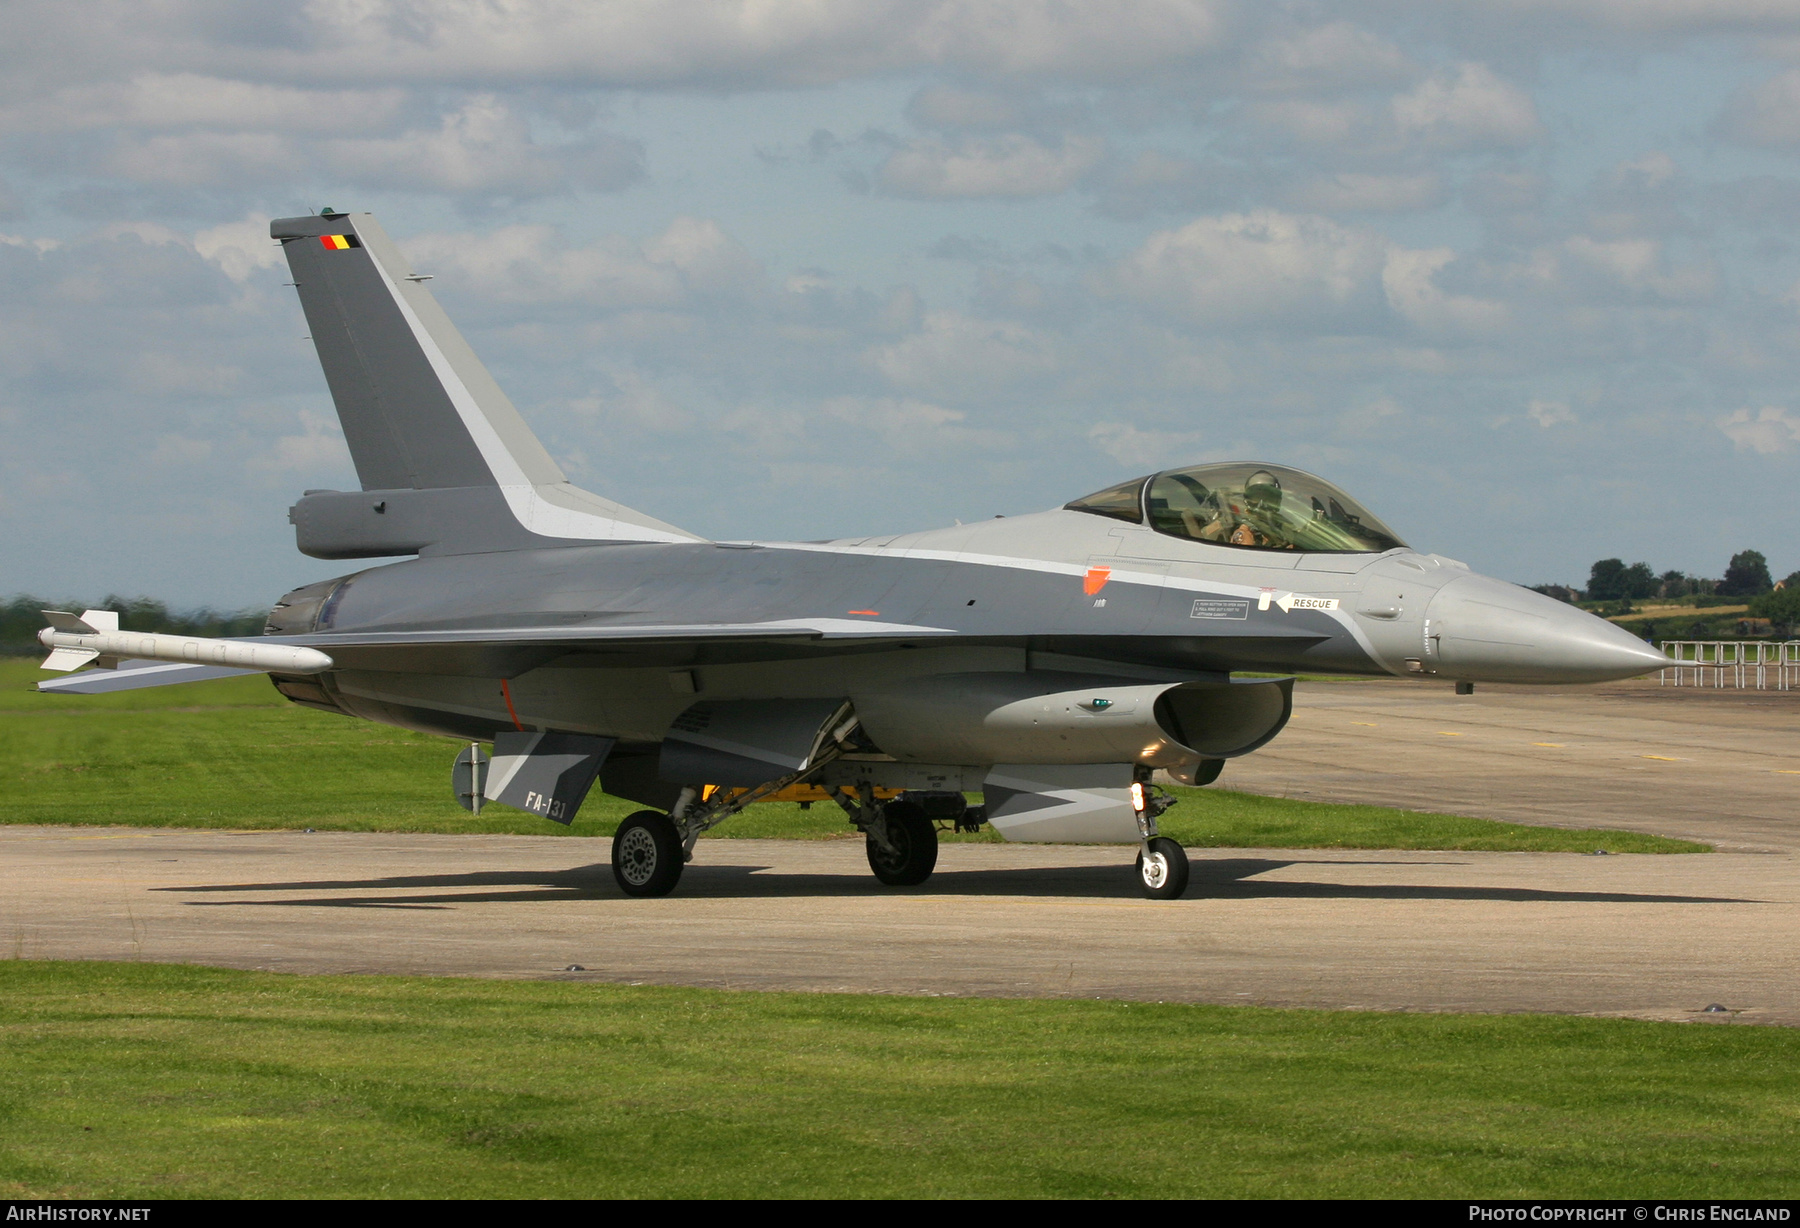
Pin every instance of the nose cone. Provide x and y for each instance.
(1486, 630)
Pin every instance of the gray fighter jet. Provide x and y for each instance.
(1050, 662)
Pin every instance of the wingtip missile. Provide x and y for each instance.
(94, 637)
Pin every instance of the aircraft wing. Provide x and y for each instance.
(497, 650)
(508, 651)
(580, 636)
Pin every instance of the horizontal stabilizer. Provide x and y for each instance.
(547, 774)
(136, 676)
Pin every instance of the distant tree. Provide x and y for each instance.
(1674, 584)
(1793, 581)
(1638, 581)
(1560, 592)
(20, 620)
(1747, 576)
(1610, 579)
(1606, 580)
(1781, 608)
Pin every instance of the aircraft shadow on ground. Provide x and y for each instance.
(1233, 879)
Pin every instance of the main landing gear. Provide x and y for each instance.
(647, 855)
(902, 844)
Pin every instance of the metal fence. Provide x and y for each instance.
(1764, 664)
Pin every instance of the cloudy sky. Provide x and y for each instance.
(1522, 275)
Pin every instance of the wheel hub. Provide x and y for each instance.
(637, 857)
(1155, 871)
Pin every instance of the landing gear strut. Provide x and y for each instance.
(1162, 864)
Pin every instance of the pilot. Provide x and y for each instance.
(1261, 525)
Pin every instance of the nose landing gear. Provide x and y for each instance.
(1162, 864)
(1162, 867)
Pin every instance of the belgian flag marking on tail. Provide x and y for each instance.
(339, 243)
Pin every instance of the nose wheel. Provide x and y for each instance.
(1162, 867)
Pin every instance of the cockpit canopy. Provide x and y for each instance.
(1253, 506)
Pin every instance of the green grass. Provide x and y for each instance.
(156, 1081)
(234, 754)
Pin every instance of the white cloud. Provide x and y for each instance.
(1409, 278)
(958, 353)
(1768, 430)
(1253, 268)
(1766, 114)
(1549, 413)
(1469, 106)
(1372, 418)
(910, 426)
(1353, 192)
(178, 450)
(638, 403)
(1315, 122)
(944, 106)
(179, 100)
(1335, 55)
(706, 256)
(484, 147)
(318, 447)
(1133, 445)
(1641, 265)
(240, 248)
(536, 265)
(708, 44)
(1011, 165)
(1636, 16)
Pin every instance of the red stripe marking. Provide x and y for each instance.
(506, 694)
(871, 613)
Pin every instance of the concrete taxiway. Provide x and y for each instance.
(1650, 936)
(1719, 766)
(1646, 936)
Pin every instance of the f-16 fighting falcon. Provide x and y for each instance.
(1049, 662)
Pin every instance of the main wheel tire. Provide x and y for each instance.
(647, 854)
(1164, 873)
(915, 846)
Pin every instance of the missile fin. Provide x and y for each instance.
(64, 660)
(62, 620)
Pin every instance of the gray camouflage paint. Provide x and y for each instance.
(597, 619)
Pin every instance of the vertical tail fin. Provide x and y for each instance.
(428, 428)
